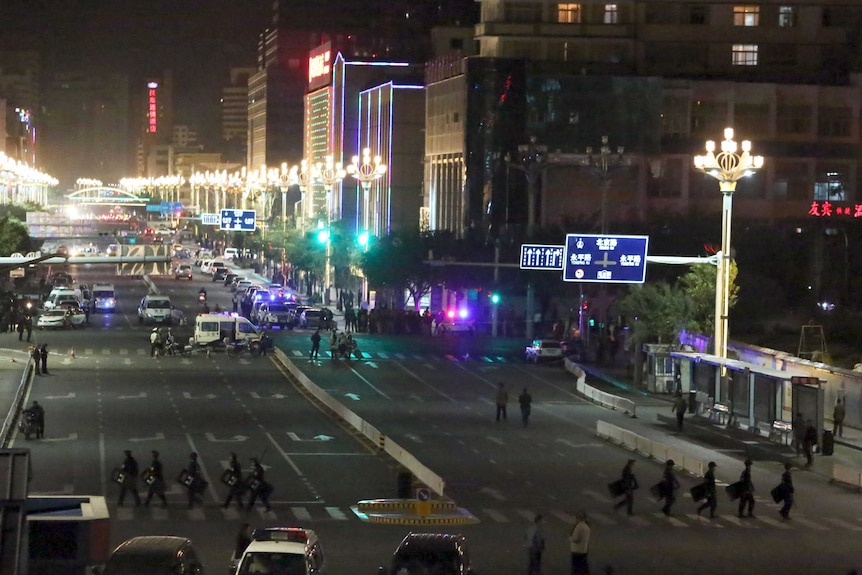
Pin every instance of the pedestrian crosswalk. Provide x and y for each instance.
(131, 353)
(766, 517)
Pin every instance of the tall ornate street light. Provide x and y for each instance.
(606, 164)
(727, 167)
(532, 159)
(300, 176)
(366, 173)
(329, 173)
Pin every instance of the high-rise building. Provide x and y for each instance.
(658, 78)
(234, 106)
(154, 99)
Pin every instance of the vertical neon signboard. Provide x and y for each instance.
(152, 111)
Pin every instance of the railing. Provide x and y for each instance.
(649, 448)
(9, 422)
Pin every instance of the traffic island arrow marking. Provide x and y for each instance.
(234, 439)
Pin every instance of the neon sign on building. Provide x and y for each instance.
(152, 111)
(828, 209)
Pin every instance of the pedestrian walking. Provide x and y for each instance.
(502, 401)
(28, 325)
(43, 357)
(809, 440)
(193, 480)
(315, 344)
(20, 330)
(534, 540)
(838, 414)
(233, 480)
(36, 355)
(710, 502)
(669, 485)
(257, 485)
(526, 401)
(786, 491)
(628, 484)
(155, 479)
(798, 432)
(679, 406)
(746, 493)
(129, 480)
(579, 544)
(39, 418)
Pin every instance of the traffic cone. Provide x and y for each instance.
(72, 353)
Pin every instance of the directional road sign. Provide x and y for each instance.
(210, 219)
(238, 220)
(541, 257)
(605, 259)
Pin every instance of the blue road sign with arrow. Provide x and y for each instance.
(605, 259)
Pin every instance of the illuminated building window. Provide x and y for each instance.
(745, 54)
(786, 16)
(612, 14)
(746, 15)
(569, 13)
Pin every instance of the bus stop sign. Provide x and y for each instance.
(605, 259)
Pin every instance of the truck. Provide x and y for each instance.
(213, 329)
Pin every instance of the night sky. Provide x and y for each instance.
(198, 39)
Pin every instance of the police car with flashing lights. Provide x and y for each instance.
(547, 349)
(456, 321)
(281, 551)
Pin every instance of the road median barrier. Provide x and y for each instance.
(648, 448)
(598, 396)
(412, 513)
(378, 505)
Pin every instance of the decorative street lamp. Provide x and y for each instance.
(531, 160)
(606, 164)
(366, 173)
(329, 173)
(300, 176)
(727, 167)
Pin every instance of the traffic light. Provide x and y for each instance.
(362, 239)
(323, 236)
(495, 298)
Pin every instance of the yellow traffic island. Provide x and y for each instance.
(420, 511)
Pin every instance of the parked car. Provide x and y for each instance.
(437, 553)
(543, 349)
(282, 550)
(154, 555)
(219, 274)
(229, 279)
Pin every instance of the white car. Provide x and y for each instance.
(550, 349)
(155, 309)
(283, 550)
(60, 318)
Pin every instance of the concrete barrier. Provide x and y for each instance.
(596, 395)
(401, 455)
(648, 448)
(848, 475)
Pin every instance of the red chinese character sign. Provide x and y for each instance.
(827, 209)
(152, 111)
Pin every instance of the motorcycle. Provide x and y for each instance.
(347, 348)
(27, 424)
(173, 347)
(202, 298)
(242, 347)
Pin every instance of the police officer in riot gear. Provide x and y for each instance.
(257, 485)
(234, 482)
(130, 480)
(155, 480)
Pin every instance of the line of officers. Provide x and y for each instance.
(190, 478)
(666, 489)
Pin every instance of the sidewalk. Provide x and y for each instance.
(709, 441)
(13, 364)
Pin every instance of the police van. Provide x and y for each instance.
(214, 328)
(104, 298)
(281, 550)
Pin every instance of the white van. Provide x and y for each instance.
(155, 309)
(213, 328)
(104, 298)
(231, 253)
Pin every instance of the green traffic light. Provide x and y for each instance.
(363, 239)
(323, 236)
(495, 298)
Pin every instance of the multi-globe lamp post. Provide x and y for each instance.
(728, 167)
(366, 172)
(329, 173)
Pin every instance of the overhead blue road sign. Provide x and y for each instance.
(605, 259)
(210, 219)
(238, 220)
(541, 257)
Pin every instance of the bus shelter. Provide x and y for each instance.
(763, 399)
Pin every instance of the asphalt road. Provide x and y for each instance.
(432, 395)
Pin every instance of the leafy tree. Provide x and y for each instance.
(699, 287)
(397, 263)
(13, 236)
